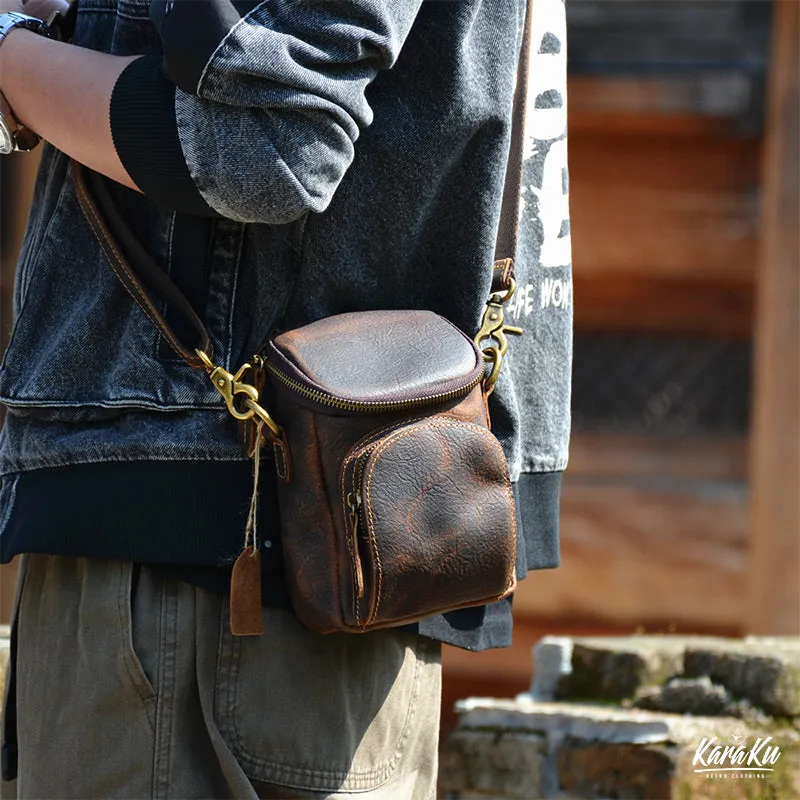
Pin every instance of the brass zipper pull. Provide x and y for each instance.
(354, 503)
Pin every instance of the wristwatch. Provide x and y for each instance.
(14, 19)
(13, 135)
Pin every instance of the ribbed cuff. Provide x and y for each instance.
(538, 496)
(145, 135)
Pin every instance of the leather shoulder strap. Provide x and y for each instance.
(508, 233)
(122, 249)
(141, 276)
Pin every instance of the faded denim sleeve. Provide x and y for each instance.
(269, 132)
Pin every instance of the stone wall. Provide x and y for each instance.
(649, 717)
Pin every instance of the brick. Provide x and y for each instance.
(696, 696)
(594, 751)
(589, 769)
(618, 668)
(713, 703)
(492, 764)
(764, 671)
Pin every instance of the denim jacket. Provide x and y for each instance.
(344, 155)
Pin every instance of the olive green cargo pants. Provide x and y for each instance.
(131, 686)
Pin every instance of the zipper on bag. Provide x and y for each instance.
(356, 523)
(354, 504)
(343, 404)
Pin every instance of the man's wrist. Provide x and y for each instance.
(30, 26)
(4, 48)
(11, 54)
(13, 47)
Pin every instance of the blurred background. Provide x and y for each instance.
(681, 505)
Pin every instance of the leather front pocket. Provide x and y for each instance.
(430, 523)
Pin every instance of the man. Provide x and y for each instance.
(283, 162)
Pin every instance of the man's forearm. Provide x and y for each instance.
(62, 92)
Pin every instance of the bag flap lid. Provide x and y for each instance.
(374, 357)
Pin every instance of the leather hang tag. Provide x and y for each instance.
(246, 612)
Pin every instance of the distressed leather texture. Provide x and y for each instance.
(379, 356)
(437, 513)
(436, 526)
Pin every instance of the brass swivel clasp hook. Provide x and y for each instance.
(240, 397)
(494, 329)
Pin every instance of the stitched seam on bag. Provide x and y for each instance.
(510, 492)
(434, 423)
(375, 457)
(376, 434)
(408, 619)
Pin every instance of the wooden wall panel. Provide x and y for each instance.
(664, 229)
(639, 554)
(665, 104)
(774, 566)
(664, 207)
(682, 305)
(663, 37)
(653, 532)
(643, 457)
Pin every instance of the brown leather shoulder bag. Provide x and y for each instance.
(394, 495)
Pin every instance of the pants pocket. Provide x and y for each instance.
(139, 610)
(324, 713)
